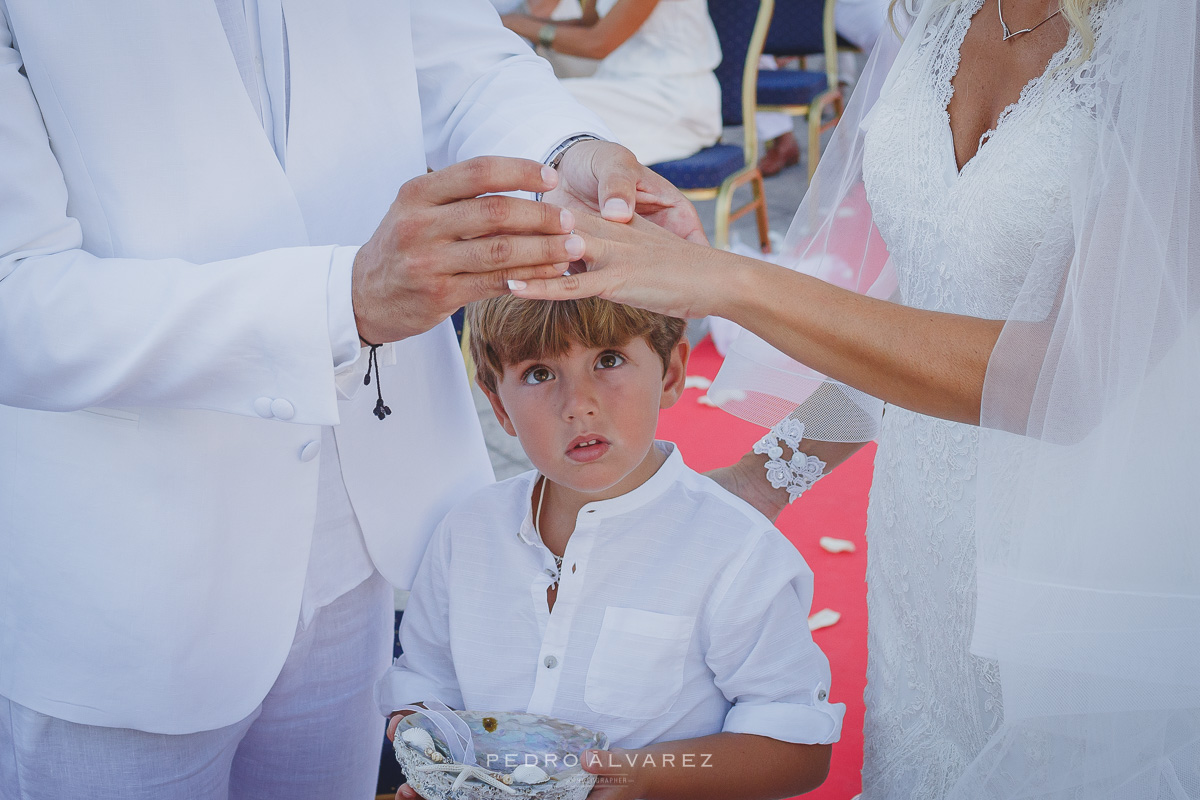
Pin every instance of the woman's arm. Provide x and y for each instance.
(747, 477)
(931, 362)
(591, 36)
(541, 8)
(731, 766)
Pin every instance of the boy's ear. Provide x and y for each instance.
(676, 374)
(498, 409)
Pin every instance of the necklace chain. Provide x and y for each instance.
(1008, 34)
(537, 519)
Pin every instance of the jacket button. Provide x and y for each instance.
(282, 409)
(310, 451)
(262, 407)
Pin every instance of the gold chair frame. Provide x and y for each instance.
(749, 173)
(832, 96)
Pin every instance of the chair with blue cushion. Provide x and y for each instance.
(716, 172)
(803, 28)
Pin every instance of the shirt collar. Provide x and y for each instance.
(653, 488)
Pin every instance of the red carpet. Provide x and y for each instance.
(837, 506)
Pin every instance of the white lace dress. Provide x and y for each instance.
(961, 243)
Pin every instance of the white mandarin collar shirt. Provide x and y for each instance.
(680, 612)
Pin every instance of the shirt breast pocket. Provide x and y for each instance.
(637, 667)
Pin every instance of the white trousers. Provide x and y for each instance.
(317, 734)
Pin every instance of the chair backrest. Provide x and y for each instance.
(797, 28)
(741, 27)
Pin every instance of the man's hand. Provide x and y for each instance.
(605, 177)
(441, 245)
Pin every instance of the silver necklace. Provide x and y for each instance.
(537, 519)
(1010, 34)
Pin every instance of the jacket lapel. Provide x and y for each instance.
(160, 146)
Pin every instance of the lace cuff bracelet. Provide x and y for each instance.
(798, 473)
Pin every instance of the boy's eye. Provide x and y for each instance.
(610, 360)
(536, 375)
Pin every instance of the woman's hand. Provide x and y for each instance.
(641, 265)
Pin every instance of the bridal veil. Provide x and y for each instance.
(1088, 514)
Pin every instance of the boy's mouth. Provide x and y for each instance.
(585, 449)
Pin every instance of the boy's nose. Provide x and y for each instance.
(580, 402)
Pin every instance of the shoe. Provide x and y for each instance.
(782, 151)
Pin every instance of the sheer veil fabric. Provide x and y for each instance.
(1087, 511)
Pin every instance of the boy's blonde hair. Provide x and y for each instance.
(507, 330)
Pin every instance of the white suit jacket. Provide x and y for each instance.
(165, 357)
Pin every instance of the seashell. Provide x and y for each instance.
(419, 738)
(529, 773)
(437, 757)
(832, 545)
(532, 739)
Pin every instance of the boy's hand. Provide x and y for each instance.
(620, 774)
(393, 721)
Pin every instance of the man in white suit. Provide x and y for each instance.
(200, 514)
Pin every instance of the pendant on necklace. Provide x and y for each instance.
(1008, 34)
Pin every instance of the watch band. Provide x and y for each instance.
(556, 155)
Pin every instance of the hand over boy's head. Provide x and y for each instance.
(580, 383)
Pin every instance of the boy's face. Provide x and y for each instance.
(587, 418)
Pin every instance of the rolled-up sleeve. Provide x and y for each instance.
(425, 668)
(761, 651)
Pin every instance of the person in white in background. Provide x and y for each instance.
(654, 86)
(194, 589)
(858, 22)
(565, 66)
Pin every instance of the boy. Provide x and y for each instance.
(614, 587)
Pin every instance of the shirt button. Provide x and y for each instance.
(551, 662)
(310, 451)
(822, 694)
(282, 409)
(262, 407)
(551, 573)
